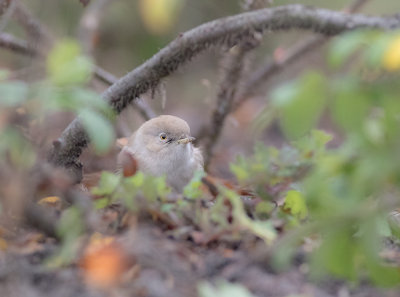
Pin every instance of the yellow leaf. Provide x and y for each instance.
(3, 244)
(295, 204)
(52, 201)
(97, 241)
(159, 16)
(391, 57)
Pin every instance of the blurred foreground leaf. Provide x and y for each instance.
(300, 104)
(99, 129)
(66, 65)
(223, 289)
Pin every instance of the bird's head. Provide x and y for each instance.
(165, 133)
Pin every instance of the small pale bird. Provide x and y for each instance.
(163, 146)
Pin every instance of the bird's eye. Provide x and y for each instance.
(163, 136)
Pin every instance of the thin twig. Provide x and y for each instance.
(304, 47)
(233, 65)
(356, 6)
(37, 35)
(16, 45)
(226, 31)
(4, 4)
(6, 13)
(90, 22)
(232, 71)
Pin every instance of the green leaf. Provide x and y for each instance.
(337, 253)
(155, 187)
(393, 222)
(99, 130)
(349, 108)
(4, 74)
(383, 275)
(13, 93)
(66, 65)
(223, 289)
(138, 179)
(295, 204)
(193, 189)
(101, 203)
(321, 138)
(91, 100)
(239, 169)
(107, 184)
(19, 149)
(376, 49)
(262, 229)
(284, 94)
(343, 46)
(71, 224)
(300, 110)
(374, 130)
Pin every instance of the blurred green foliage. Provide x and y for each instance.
(63, 90)
(116, 188)
(350, 188)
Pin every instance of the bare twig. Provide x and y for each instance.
(297, 51)
(15, 44)
(89, 24)
(6, 11)
(227, 31)
(105, 76)
(232, 70)
(233, 65)
(4, 4)
(37, 34)
(356, 6)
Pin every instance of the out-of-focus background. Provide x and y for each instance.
(129, 32)
(325, 204)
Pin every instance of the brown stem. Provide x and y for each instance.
(232, 71)
(90, 23)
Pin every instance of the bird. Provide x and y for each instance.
(163, 146)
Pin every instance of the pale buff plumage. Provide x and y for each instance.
(163, 146)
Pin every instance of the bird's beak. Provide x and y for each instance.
(186, 140)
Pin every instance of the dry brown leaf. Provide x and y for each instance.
(104, 261)
(51, 201)
(3, 244)
(128, 163)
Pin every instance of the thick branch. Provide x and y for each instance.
(228, 31)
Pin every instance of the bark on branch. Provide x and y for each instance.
(226, 31)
